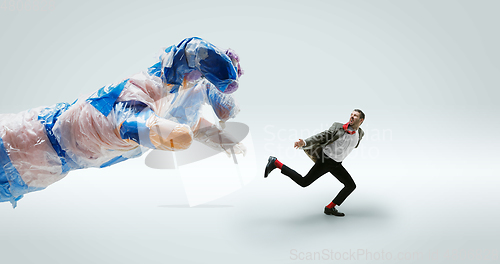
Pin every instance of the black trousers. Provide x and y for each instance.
(322, 166)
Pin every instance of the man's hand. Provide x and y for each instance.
(299, 143)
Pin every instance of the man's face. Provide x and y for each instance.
(355, 119)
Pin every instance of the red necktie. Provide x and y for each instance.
(345, 128)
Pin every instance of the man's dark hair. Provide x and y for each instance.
(361, 114)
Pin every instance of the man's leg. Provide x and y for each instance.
(345, 178)
(319, 169)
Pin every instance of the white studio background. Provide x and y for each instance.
(425, 73)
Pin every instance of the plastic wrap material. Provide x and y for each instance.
(161, 108)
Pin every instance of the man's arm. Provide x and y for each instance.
(361, 134)
(322, 137)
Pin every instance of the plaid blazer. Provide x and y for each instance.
(315, 144)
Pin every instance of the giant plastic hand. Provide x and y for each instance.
(157, 109)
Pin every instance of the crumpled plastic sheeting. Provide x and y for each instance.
(40, 146)
(197, 54)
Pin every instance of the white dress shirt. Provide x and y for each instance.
(340, 148)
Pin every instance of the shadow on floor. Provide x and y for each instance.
(197, 206)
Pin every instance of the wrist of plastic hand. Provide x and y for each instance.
(135, 129)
